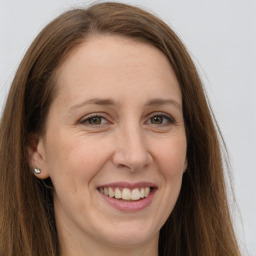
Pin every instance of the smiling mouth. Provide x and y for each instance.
(126, 194)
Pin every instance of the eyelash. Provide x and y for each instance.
(87, 119)
(168, 118)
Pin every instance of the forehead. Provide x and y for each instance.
(104, 63)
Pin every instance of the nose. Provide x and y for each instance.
(131, 150)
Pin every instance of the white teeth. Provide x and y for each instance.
(125, 193)
(147, 190)
(118, 193)
(111, 192)
(142, 193)
(106, 191)
(135, 194)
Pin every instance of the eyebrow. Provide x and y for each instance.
(110, 102)
(161, 102)
(94, 101)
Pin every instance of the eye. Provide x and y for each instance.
(157, 120)
(94, 120)
(160, 119)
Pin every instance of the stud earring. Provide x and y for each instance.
(37, 171)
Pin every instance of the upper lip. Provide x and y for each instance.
(129, 185)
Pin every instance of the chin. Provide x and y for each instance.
(131, 237)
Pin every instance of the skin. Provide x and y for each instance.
(127, 144)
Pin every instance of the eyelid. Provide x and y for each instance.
(102, 115)
(85, 118)
(164, 115)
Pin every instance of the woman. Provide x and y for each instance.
(108, 146)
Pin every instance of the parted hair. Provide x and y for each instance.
(200, 224)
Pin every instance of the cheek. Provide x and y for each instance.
(73, 167)
(171, 157)
(74, 162)
(171, 163)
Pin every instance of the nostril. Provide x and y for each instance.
(132, 163)
(131, 149)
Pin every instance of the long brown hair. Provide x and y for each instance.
(200, 223)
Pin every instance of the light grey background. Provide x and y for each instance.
(221, 37)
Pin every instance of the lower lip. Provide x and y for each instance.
(131, 206)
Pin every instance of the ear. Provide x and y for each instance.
(37, 156)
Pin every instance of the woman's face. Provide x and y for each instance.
(115, 143)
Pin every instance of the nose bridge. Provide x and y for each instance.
(131, 148)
